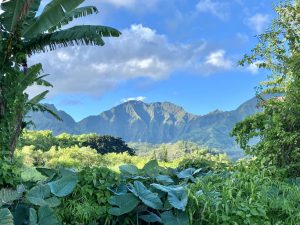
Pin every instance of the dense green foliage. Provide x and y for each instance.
(44, 141)
(277, 127)
(33, 204)
(64, 180)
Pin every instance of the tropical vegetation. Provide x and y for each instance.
(90, 179)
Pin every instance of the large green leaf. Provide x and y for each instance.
(32, 217)
(65, 185)
(53, 13)
(78, 35)
(6, 217)
(47, 216)
(148, 197)
(168, 218)
(177, 195)
(13, 11)
(125, 203)
(178, 198)
(129, 169)
(151, 218)
(151, 168)
(40, 195)
(7, 196)
(76, 13)
(164, 179)
(21, 214)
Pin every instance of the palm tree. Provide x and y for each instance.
(26, 29)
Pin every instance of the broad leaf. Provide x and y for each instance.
(38, 194)
(6, 217)
(151, 168)
(148, 198)
(129, 169)
(168, 218)
(125, 203)
(53, 13)
(151, 218)
(14, 10)
(164, 179)
(177, 195)
(65, 185)
(77, 35)
(32, 217)
(47, 172)
(7, 196)
(47, 216)
(178, 198)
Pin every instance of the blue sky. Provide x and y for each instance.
(181, 51)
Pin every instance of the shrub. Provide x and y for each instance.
(10, 173)
(89, 201)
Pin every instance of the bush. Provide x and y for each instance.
(10, 173)
(89, 201)
(205, 161)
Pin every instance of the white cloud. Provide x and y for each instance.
(258, 22)
(217, 9)
(131, 3)
(139, 98)
(253, 68)
(140, 52)
(217, 59)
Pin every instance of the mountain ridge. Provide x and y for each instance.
(158, 122)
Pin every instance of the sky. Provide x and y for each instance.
(180, 51)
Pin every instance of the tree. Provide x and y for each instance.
(278, 126)
(106, 144)
(23, 32)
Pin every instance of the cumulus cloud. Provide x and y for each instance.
(217, 59)
(139, 98)
(139, 53)
(217, 9)
(258, 22)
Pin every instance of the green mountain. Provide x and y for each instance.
(160, 122)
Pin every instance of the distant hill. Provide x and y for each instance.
(160, 122)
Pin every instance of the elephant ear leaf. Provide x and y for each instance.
(151, 218)
(168, 218)
(124, 203)
(65, 185)
(152, 168)
(178, 198)
(129, 169)
(148, 197)
(6, 218)
(47, 216)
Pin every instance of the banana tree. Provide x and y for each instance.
(27, 29)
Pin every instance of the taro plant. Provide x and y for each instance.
(33, 204)
(152, 195)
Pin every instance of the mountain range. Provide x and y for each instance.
(159, 122)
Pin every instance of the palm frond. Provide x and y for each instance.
(29, 78)
(13, 10)
(41, 108)
(74, 14)
(32, 12)
(53, 13)
(78, 35)
(38, 98)
(40, 81)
